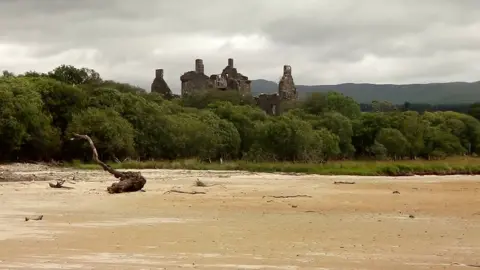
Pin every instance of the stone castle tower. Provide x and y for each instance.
(287, 91)
(286, 86)
(194, 80)
(236, 80)
(159, 85)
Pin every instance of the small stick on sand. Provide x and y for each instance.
(199, 183)
(344, 183)
(291, 196)
(185, 192)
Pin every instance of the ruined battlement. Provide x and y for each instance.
(270, 103)
(286, 87)
(219, 82)
(159, 73)
(229, 79)
(199, 67)
(159, 85)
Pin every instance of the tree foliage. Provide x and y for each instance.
(40, 111)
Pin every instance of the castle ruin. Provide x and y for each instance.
(195, 79)
(287, 91)
(286, 86)
(229, 79)
(269, 103)
(159, 85)
(235, 80)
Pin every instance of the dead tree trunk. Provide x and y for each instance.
(129, 181)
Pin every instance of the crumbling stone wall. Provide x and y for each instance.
(270, 103)
(159, 85)
(195, 80)
(286, 86)
(245, 86)
(273, 104)
(199, 67)
(236, 80)
(229, 79)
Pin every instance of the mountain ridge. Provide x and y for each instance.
(432, 93)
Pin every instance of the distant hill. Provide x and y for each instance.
(433, 93)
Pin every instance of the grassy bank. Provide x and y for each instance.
(451, 166)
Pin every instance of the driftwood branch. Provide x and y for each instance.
(107, 168)
(199, 183)
(291, 196)
(467, 265)
(59, 184)
(184, 192)
(129, 181)
(344, 183)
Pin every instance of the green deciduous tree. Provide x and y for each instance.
(290, 138)
(74, 76)
(318, 103)
(244, 118)
(393, 141)
(25, 127)
(202, 99)
(39, 111)
(112, 134)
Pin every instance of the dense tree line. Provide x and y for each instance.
(417, 107)
(40, 111)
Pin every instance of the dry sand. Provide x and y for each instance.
(237, 224)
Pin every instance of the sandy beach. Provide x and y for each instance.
(240, 220)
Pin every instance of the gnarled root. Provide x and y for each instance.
(129, 181)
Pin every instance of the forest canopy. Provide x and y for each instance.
(39, 112)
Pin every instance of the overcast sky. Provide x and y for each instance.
(325, 41)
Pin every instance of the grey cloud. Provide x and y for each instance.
(363, 25)
(327, 41)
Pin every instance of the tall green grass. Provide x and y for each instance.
(450, 166)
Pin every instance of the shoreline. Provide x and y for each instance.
(452, 166)
(41, 171)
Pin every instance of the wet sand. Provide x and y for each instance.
(241, 222)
